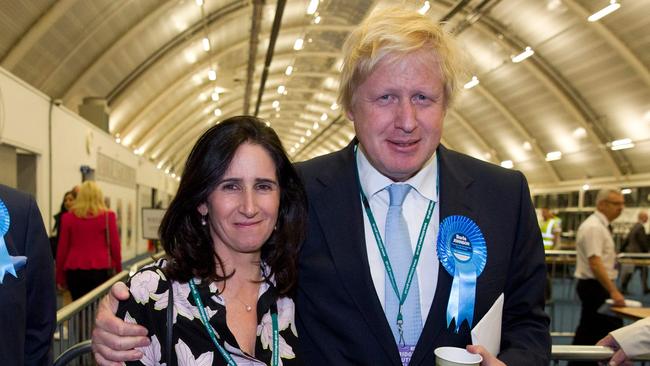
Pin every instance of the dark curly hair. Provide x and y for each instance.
(187, 242)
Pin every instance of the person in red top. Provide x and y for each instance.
(88, 230)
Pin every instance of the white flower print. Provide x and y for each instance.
(144, 285)
(182, 305)
(286, 314)
(186, 358)
(129, 319)
(286, 310)
(151, 353)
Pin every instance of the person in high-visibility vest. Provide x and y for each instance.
(551, 228)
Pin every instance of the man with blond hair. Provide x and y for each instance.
(409, 244)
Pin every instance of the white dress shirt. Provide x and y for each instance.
(594, 239)
(414, 208)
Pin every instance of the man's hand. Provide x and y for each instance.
(488, 358)
(619, 357)
(617, 297)
(113, 340)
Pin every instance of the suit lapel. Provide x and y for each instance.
(455, 199)
(340, 213)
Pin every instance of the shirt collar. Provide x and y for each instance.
(373, 182)
(602, 217)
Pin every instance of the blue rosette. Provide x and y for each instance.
(463, 253)
(8, 263)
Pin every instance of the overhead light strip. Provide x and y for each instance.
(612, 7)
(528, 51)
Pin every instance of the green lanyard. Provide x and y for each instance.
(275, 360)
(384, 254)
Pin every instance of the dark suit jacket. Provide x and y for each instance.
(339, 316)
(27, 303)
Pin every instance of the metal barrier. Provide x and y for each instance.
(74, 321)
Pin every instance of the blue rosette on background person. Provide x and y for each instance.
(463, 253)
(8, 263)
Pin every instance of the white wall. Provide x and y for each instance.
(24, 123)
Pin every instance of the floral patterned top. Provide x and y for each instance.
(147, 306)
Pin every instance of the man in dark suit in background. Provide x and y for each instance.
(27, 297)
(398, 79)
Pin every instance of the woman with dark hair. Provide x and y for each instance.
(231, 235)
(66, 205)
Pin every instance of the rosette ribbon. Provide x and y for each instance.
(463, 253)
(8, 263)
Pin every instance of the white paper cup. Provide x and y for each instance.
(454, 356)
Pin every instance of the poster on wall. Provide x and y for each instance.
(151, 219)
(118, 212)
(129, 224)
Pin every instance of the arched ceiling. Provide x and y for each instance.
(587, 84)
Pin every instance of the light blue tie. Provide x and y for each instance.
(400, 254)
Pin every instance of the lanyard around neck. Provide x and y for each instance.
(275, 358)
(384, 254)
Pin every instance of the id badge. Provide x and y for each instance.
(405, 353)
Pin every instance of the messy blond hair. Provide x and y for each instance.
(89, 202)
(394, 32)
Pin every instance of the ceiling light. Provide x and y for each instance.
(212, 75)
(317, 20)
(508, 164)
(622, 144)
(199, 2)
(275, 104)
(308, 133)
(522, 56)
(334, 106)
(190, 57)
(585, 187)
(315, 126)
(423, 10)
(554, 155)
(289, 70)
(579, 133)
(118, 140)
(167, 171)
(302, 140)
(173, 175)
(197, 79)
(217, 112)
(215, 96)
(527, 146)
(472, 83)
(323, 117)
(487, 156)
(293, 150)
(281, 89)
(159, 166)
(313, 6)
(298, 44)
(626, 191)
(178, 179)
(296, 145)
(206, 44)
(612, 7)
(268, 124)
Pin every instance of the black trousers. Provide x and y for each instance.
(593, 325)
(82, 281)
